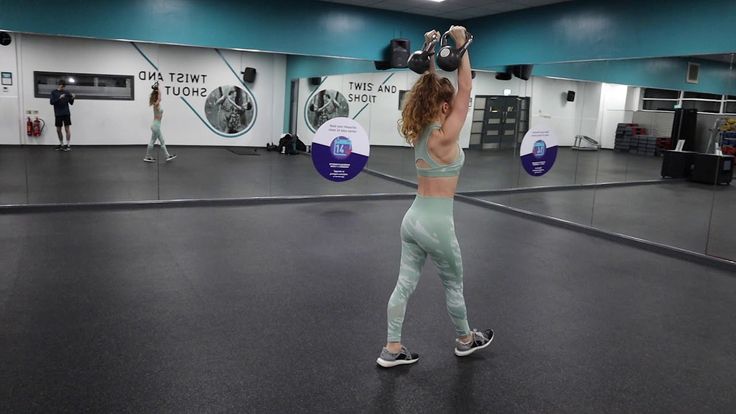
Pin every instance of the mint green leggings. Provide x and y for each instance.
(156, 136)
(428, 228)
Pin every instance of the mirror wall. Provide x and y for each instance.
(645, 104)
(613, 121)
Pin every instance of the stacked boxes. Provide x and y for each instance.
(728, 136)
(728, 143)
(663, 144)
(633, 139)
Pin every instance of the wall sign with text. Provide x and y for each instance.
(340, 149)
(538, 151)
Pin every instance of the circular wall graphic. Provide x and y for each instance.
(229, 109)
(324, 105)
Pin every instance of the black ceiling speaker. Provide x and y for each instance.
(5, 38)
(570, 96)
(249, 75)
(315, 81)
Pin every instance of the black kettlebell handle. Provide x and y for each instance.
(428, 48)
(468, 41)
(419, 61)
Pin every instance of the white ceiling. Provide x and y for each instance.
(450, 9)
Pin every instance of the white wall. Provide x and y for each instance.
(127, 122)
(549, 105)
(10, 119)
(613, 111)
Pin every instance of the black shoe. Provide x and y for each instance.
(67, 148)
(480, 340)
(404, 357)
(59, 147)
(170, 157)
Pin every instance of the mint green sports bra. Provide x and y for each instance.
(421, 152)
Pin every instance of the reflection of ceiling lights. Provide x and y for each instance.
(71, 80)
(437, 1)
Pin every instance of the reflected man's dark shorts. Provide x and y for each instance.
(63, 120)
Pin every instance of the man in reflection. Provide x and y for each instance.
(61, 100)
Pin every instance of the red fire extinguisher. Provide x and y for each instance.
(38, 126)
(29, 127)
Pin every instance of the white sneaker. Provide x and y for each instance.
(403, 357)
(479, 340)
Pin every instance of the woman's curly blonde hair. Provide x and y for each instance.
(423, 104)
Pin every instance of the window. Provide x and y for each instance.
(660, 99)
(650, 93)
(667, 100)
(85, 85)
(729, 106)
(402, 96)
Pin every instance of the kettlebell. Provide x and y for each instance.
(419, 60)
(449, 57)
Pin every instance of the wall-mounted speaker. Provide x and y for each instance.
(570, 96)
(249, 75)
(399, 53)
(5, 38)
(315, 81)
(504, 75)
(523, 72)
(693, 72)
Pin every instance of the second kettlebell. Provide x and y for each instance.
(419, 60)
(448, 59)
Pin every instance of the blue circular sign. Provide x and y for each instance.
(538, 151)
(340, 149)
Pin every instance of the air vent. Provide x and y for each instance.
(693, 72)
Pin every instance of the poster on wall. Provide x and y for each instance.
(340, 149)
(325, 105)
(538, 151)
(229, 109)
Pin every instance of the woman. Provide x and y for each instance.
(432, 118)
(231, 111)
(155, 101)
(326, 111)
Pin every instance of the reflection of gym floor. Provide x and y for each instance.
(676, 214)
(118, 173)
(281, 308)
(12, 175)
(485, 170)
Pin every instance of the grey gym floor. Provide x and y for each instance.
(281, 308)
(487, 170)
(118, 173)
(691, 216)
